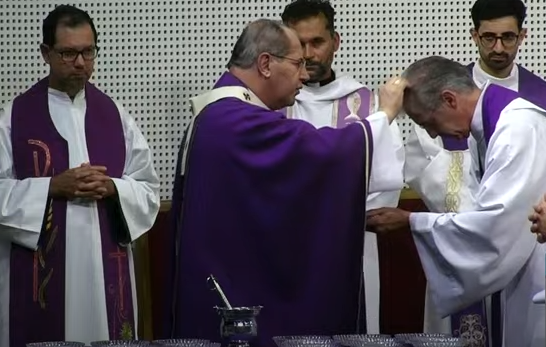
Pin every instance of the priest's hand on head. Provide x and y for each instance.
(538, 218)
(387, 219)
(86, 181)
(391, 96)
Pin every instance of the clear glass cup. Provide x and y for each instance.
(182, 343)
(120, 343)
(304, 341)
(56, 344)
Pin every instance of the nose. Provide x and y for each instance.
(307, 52)
(498, 47)
(304, 76)
(79, 62)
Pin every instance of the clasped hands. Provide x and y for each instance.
(85, 182)
(538, 220)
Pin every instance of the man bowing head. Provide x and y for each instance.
(469, 255)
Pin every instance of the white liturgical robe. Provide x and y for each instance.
(469, 255)
(138, 192)
(436, 173)
(315, 104)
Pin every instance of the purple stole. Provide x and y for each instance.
(37, 278)
(473, 319)
(530, 86)
(343, 110)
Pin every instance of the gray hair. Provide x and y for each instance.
(260, 36)
(429, 77)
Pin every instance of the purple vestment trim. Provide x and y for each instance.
(474, 317)
(37, 281)
(530, 87)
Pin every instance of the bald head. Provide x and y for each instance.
(260, 36)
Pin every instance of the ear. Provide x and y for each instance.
(522, 35)
(475, 36)
(263, 64)
(449, 98)
(44, 49)
(337, 41)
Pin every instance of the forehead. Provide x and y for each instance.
(499, 25)
(413, 108)
(311, 26)
(294, 43)
(79, 36)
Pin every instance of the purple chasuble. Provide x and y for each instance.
(495, 100)
(37, 281)
(362, 104)
(530, 87)
(275, 209)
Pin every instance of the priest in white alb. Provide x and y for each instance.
(77, 187)
(486, 249)
(439, 169)
(334, 100)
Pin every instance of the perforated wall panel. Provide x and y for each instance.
(157, 54)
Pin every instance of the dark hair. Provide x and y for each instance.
(260, 36)
(65, 15)
(494, 9)
(428, 77)
(302, 9)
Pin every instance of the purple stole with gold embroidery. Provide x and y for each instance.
(530, 86)
(37, 278)
(473, 319)
(464, 323)
(358, 100)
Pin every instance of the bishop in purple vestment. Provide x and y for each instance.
(77, 186)
(273, 207)
(469, 255)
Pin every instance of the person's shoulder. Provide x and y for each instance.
(521, 117)
(347, 78)
(525, 70)
(5, 112)
(234, 107)
(119, 105)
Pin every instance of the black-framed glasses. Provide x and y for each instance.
(300, 63)
(70, 55)
(508, 40)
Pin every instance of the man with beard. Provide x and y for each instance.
(330, 99)
(77, 186)
(439, 169)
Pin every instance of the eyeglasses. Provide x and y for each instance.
(70, 55)
(300, 63)
(508, 40)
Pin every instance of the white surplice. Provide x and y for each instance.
(138, 192)
(469, 255)
(434, 173)
(314, 104)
